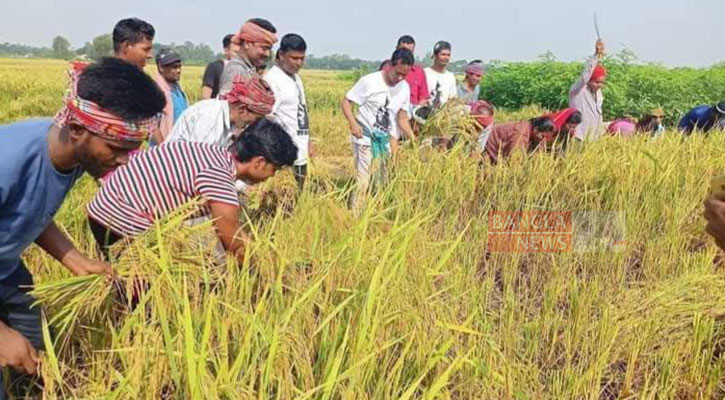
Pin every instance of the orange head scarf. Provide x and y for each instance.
(253, 33)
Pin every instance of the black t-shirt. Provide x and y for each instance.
(212, 75)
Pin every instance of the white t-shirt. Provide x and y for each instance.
(441, 84)
(290, 109)
(206, 121)
(378, 104)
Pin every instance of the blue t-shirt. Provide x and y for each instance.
(697, 118)
(179, 100)
(31, 189)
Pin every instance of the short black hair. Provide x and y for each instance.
(403, 55)
(440, 46)
(264, 24)
(292, 42)
(131, 30)
(405, 39)
(543, 124)
(227, 40)
(121, 88)
(267, 139)
(575, 118)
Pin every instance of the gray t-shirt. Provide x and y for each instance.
(235, 67)
(466, 96)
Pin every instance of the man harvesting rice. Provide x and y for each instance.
(586, 96)
(290, 105)
(158, 181)
(254, 40)
(218, 121)
(483, 113)
(133, 41)
(441, 82)
(111, 108)
(652, 123)
(703, 118)
(533, 135)
(382, 98)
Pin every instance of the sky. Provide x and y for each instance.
(675, 33)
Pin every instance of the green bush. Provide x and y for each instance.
(630, 89)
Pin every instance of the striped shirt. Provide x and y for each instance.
(158, 181)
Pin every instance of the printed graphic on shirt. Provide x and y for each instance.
(382, 117)
(303, 120)
(435, 94)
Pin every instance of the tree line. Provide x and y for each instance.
(191, 53)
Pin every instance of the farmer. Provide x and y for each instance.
(441, 82)
(290, 105)
(482, 112)
(703, 118)
(623, 126)
(143, 191)
(213, 71)
(586, 96)
(133, 41)
(168, 64)
(565, 122)
(469, 90)
(535, 134)
(382, 98)
(218, 121)
(715, 216)
(652, 123)
(110, 110)
(254, 40)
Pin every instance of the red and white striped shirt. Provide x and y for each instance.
(157, 181)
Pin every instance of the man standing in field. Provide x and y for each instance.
(109, 111)
(469, 90)
(703, 118)
(144, 190)
(213, 71)
(290, 105)
(382, 98)
(255, 40)
(133, 41)
(419, 94)
(168, 64)
(441, 82)
(586, 96)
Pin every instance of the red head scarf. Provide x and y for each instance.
(254, 93)
(253, 33)
(560, 117)
(599, 72)
(478, 108)
(97, 120)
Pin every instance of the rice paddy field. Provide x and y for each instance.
(405, 300)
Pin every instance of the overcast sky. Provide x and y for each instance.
(676, 33)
